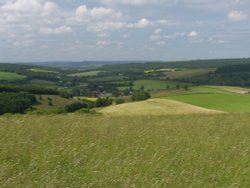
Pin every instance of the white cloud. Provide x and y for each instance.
(160, 43)
(143, 23)
(102, 43)
(57, 30)
(126, 35)
(83, 13)
(216, 40)
(158, 31)
(193, 34)
(155, 37)
(141, 2)
(237, 16)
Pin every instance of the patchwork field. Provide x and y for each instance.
(43, 70)
(186, 73)
(101, 151)
(156, 84)
(89, 73)
(9, 76)
(154, 107)
(229, 102)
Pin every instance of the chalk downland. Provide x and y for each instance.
(156, 107)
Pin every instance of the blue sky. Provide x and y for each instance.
(77, 30)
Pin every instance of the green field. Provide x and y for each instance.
(43, 70)
(186, 73)
(42, 82)
(92, 99)
(89, 73)
(140, 151)
(156, 84)
(9, 76)
(229, 102)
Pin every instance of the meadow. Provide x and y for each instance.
(9, 76)
(228, 102)
(186, 73)
(88, 73)
(141, 151)
(156, 84)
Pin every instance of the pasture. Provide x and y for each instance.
(228, 102)
(88, 73)
(141, 151)
(57, 102)
(156, 84)
(9, 76)
(186, 73)
(43, 71)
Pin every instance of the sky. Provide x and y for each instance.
(82, 30)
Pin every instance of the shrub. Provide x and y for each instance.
(119, 101)
(140, 96)
(102, 102)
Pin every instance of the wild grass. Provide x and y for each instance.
(140, 151)
(155, 107)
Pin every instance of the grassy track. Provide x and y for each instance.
(9, 76)
(229, 102)
(154, 107)
(140, 151)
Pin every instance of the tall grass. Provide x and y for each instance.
(141, 151)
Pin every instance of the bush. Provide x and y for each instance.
(16, 102)
(119, 101)
(102, 102)
(140, 96)
(75, 106)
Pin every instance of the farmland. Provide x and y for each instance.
(9, 76)
(229, 102)
(98, 129)
(89, 73)
(156, 84)
(103, 151)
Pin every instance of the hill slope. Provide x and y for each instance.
(155, 107)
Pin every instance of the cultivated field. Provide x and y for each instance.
(155, 107)
(9, 76)
(156, 84)
(140, 151)
(186, 73)
(89, 73)
(229, 102)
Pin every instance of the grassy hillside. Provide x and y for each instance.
(57, 101)
(154, 107)
(141, 151)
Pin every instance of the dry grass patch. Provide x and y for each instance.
(156, 107)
